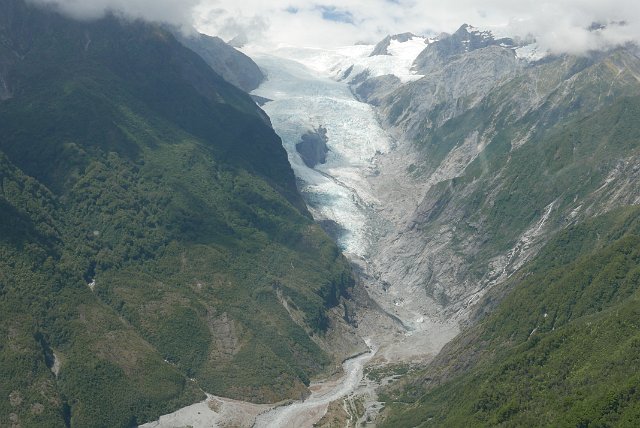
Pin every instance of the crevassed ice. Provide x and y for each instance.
(304, 99)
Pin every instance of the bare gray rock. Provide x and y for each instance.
(374, 90)
(313, 148)
(234, 66)
(456, 86)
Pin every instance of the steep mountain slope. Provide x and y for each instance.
(495, 155)
(500, 167)
(234, 66)
(465, 40)
(151, 232)
(561, 349)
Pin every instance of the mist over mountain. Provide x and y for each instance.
(168, 11)
(559, 27)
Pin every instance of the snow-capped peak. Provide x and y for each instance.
(530, 52)
(393, 56)
(527, 50)
(353, 63)
(408, 50)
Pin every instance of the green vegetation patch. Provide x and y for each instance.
(561, 349)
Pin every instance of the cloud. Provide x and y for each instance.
(560, 25)
(332, 13)
(177, 12)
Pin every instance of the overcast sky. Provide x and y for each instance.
(559, 25)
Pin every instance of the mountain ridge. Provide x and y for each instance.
(510, 161)
(234, 66)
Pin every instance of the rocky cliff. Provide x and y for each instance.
(496, 154)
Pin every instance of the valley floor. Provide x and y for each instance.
(364, 190)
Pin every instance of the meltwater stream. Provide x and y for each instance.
(307, 412)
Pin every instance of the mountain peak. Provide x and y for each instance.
(466, 39)
(382, 48)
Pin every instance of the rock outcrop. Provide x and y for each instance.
(466, 39)
(313, 148)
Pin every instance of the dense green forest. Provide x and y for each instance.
(557, 345)
(150, 229)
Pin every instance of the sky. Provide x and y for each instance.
(559, 26)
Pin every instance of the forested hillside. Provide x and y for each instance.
(150, 232)
(557, 346)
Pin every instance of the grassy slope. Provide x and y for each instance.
(124, 159)
(561, 349)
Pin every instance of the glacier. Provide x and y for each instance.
(304, 98)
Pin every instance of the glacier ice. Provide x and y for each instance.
(304, 98)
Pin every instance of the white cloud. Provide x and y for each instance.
(178, 12)
(559, 25)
